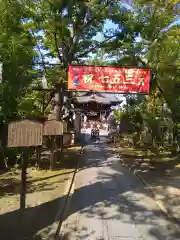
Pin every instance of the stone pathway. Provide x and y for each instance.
(163, 180)
(110, 203)
(166, 190)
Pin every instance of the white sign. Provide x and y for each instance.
(118, 107)
(44, 82)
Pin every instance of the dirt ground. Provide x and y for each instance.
(45, 194)
(42, 186)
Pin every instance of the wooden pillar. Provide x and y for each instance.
(59, 99)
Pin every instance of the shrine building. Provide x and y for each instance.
(95, 105)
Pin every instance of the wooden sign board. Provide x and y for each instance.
(25, 133)
(53, 128)
(65, 127)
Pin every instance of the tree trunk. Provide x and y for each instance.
(175, 134)
(52, 157)
(38, 156)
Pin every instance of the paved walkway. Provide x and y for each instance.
(166, 189)
(110, 203)
(163, 180)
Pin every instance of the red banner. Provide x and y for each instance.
(109, 79)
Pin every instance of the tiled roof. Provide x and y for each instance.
(98, 97)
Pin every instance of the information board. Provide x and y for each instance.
(25, 133)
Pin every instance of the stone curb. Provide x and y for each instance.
(158, 202)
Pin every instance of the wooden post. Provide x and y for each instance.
(154, 117)
(38, 156)
(24, 134)
(52, 153)
(59, 98)
(24, 163)
(43, 104)
(61, 105)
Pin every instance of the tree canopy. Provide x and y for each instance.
(33, 33)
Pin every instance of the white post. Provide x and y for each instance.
(44, 82)
(1, 69)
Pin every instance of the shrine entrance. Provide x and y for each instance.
(95, 108)
(98, 86)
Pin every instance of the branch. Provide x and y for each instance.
(48, 101)
(56, 45)
(92, 19)
(48, 35)
(77, 35)
(173, 111)
(39, 50)
(92, 49)
(55, 38)
(63, 42)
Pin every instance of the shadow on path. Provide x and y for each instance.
(118, 198)
(123, 192)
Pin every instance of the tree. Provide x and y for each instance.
(153, 42)
(67, 29)
(17, 54)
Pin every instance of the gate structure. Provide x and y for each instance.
(27, 134)
(96, 82)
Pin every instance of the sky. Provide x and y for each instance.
(110, 25)
(107, 26)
